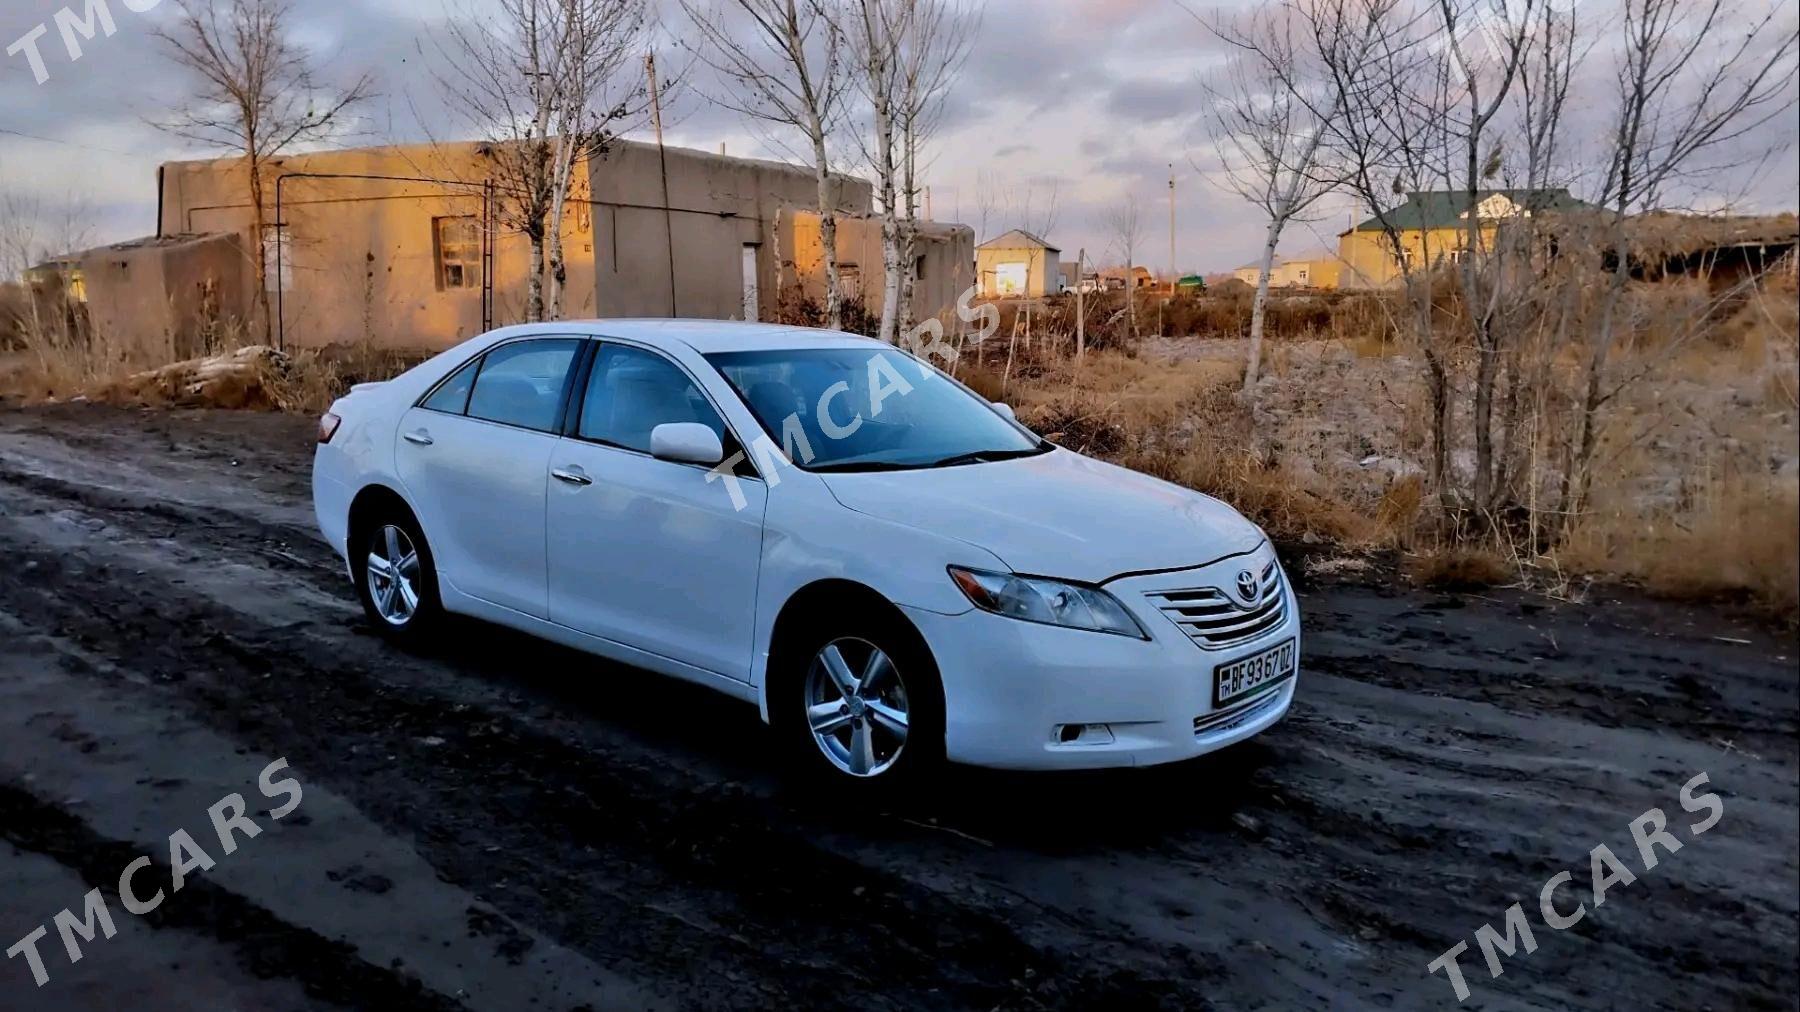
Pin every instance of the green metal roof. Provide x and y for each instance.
(1444, 208)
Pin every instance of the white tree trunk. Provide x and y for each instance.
(1259, 306)
(834, 298)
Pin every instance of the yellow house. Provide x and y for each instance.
(1018, 264)
(1431, 228)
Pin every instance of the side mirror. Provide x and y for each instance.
(1005, 411)
(686, 443)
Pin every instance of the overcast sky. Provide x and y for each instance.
(1093, 99)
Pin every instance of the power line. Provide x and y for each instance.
(67, 144)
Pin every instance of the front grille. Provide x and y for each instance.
(1214, 619)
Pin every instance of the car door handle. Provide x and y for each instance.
(421, 437)
(571, 476)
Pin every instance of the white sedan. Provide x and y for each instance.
(891, 568)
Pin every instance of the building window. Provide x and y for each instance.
(919, 269)
(458, 252)
(850, 283)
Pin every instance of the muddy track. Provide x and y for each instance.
(1444, 759)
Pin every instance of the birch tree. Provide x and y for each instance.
(787, 70)
(550, 84)
(933, 46)
(257, 93)
(874, 31)
(1266, 112)
(906, 53)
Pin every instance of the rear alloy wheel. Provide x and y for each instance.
(393, 576)
(857, 707)
(396, 580)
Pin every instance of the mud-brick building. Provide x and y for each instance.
(408, 246)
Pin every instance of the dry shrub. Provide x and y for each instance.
(1739, 537)
(1397, 513)
(1458, 568)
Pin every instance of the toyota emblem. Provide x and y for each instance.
(1249, 590)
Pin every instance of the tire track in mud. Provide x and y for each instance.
(555, 820)
(329, 971)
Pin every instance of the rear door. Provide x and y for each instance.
(647, 552)
(475, 457)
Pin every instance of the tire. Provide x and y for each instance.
(403, 610)
(837, 704)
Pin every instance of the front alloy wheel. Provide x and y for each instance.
(857, 707)
(393, 576)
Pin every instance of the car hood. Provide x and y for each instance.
(1058, 514)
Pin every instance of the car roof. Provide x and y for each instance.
(704, 336)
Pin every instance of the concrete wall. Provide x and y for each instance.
(363, 254)
(945, 252)
(167, 299)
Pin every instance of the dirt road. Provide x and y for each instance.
(506, 825)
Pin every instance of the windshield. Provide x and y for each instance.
(869, 409)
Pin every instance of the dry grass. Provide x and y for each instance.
(1739, 537)
(60, 358)
(1179, 421)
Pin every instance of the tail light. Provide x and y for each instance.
(328, 426)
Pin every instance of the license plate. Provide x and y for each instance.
(1243, 677)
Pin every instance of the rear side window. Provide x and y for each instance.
(522, 383)
(632, 391)
(453, 397)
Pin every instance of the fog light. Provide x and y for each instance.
(1084, 734)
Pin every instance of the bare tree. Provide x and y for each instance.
(787, 70)
(1126, 229)
(906, 54)
(33, 229)
(933, 47)
(1267, 111)
(256, 93)
(550, 83)
(1692, 80)
(875, 32)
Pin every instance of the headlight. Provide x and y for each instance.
(1050, 602)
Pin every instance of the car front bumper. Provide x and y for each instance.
(1010, 687)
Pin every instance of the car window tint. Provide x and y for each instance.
(522, 383)
(632, 391)
(453, 396)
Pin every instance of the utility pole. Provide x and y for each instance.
(663, 158)
(1080, 304)
(1172, 275)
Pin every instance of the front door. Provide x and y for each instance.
(648, 552)
(475, 459)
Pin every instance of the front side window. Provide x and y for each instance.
(522, 383)
(868, 409)
(632, 391)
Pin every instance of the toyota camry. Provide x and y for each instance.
(894, 570)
